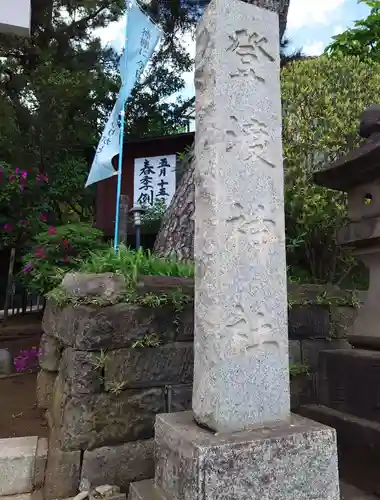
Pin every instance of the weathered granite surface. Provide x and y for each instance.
(62, 474)
(118, 366)
(140, 367)
(349, 381)
(295, 460)
(93, 420)
(91, 328)
(119, 465)
(106, 285)
(45, 388)
(241, 339)
(6, 362)
(49, 353)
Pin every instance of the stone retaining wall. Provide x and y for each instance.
(107, 371)
(105, 374)
(320, 318)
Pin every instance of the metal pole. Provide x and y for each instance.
(121, 141)
(138, 237)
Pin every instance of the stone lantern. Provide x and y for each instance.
(358, 174)
(349, 379)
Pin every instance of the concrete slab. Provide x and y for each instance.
(17, 465)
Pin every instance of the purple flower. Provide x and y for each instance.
(27, 268)
(26, 359)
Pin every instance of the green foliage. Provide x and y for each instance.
(151, 220)
(23, 205)
(58, 87)
(57, 251)
(55, 92)
(147, 341)
(297, 370)
(322, 102)
(363, 40)
(132, 264)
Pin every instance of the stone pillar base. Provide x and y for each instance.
(295, 460)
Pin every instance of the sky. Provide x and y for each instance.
(311, 24)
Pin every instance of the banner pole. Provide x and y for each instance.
(121, 144)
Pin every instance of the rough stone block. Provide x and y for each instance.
(355, 432)
(6, 362)
(308, 322)
(175, 326)
(50, 353)
(17, 464)
(91, 328)
(118, 465)
(91, 421)
(295, 357)
(301, 391)
(45, 388)
(62, 473)
(82, 371)
(294, 460)
(104, 285)
(40, 463)
(349, 381)
(150, 367)
(311, 349)
(342, 321)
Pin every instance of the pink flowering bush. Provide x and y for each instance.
(27, 359)
(56, 251)
(24, 204)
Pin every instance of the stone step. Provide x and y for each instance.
(35, 495)
(22, 465)
(146, 490)
(349, 492)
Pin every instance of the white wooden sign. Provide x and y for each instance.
(154, 179)
(15, 17)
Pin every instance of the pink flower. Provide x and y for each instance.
(39, 253)
(52, 230)
(24, 174)
(25, 223)
(12, 178)
(42, 178)
(8, 227)
(43, 217)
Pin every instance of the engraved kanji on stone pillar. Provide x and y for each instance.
(241, 340)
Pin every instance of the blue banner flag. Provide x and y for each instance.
(143, 37)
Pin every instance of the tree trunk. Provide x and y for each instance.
(176, 235)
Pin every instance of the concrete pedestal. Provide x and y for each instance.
(295, 460)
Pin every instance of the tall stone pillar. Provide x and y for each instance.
(240, 442)
(241, 338)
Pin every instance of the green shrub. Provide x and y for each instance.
(323, 99)
(57, 251)
(151, 220)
